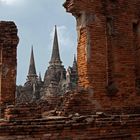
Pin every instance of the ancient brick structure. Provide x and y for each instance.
(8, 62)
(106, 103)
(108, 50)
(96, 127)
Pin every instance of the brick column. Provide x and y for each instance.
(8, 63)
(106, 51)
(92, 44)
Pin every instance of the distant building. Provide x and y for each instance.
(57, 79)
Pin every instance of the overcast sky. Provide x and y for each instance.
(35, 20)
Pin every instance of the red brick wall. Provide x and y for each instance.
(95, 127)
(8, 62)
(107, 58)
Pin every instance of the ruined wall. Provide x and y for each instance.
(108, 61)
(95, 127)
(108, 71)
(8, 62)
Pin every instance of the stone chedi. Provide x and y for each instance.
(57, 80)
(56, 71)
(31, 90)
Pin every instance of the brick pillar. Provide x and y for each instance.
(90, 27)
(8, 63)
(106, 56)
(92, 44)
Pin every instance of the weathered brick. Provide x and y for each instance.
(108, 50)
(8, 62)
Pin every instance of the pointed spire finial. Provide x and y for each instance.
(40, 78)
(32, 69)
(75, 63)
(55, 58)
(74, 57)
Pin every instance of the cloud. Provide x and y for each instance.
(10, 2)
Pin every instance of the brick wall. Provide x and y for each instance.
(108, 61)
(95, 127)
(8, 62)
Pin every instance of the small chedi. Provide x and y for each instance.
(57, 81)
(105, 105)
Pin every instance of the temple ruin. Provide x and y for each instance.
(106, 103)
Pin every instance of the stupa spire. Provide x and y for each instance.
(32, 69)
(55, 58)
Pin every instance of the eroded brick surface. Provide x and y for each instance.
(108, 50)
(8, 62)
(94, 127)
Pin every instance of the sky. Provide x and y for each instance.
(35, 20)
